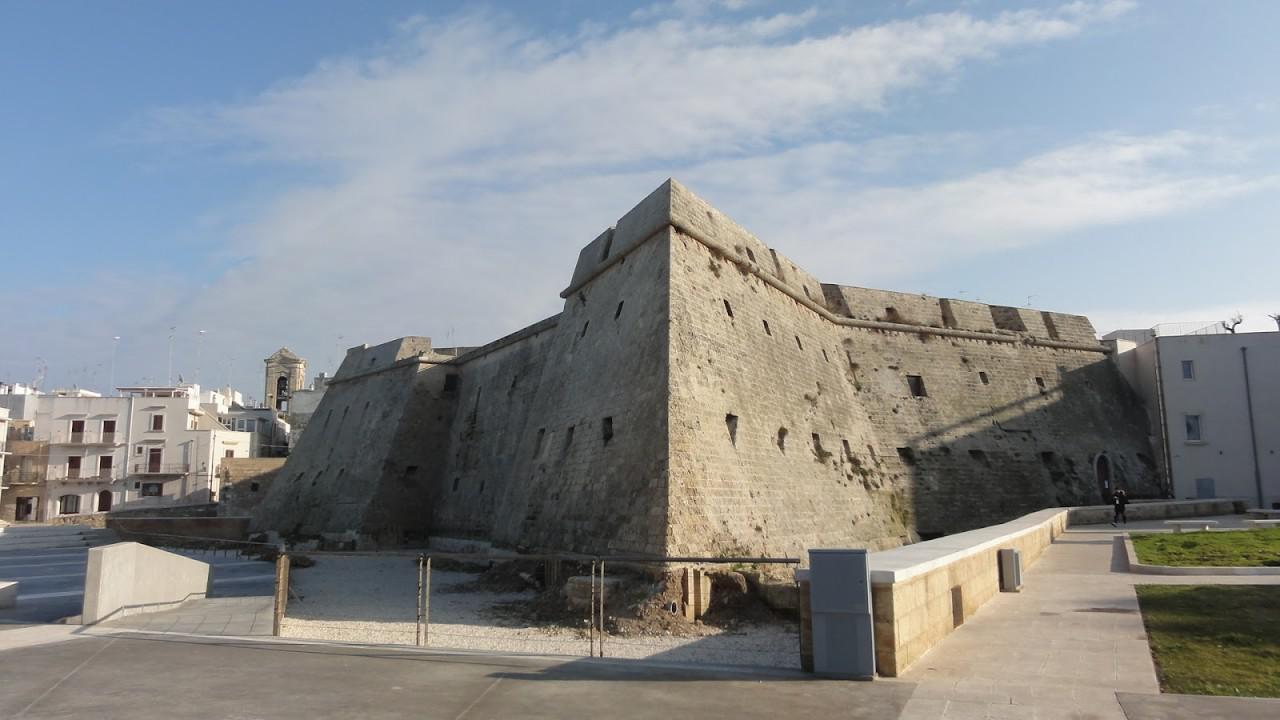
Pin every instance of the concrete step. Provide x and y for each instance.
(42, 530)
(15, 545)
(55, 537)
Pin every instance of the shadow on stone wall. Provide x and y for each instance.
(1082, 437)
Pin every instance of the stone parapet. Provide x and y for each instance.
(922, 592)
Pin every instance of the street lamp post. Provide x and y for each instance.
(199, 348)
(115, 345)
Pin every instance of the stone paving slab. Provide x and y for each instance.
(1061, 648)
(233, 616)
(118, 677)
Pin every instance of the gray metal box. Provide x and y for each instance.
(840, 606)
(1010, 570)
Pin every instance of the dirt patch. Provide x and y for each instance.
(639, 606)
(499, 577)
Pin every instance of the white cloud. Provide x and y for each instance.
(880, 233)
(475, 90)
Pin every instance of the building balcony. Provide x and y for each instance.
(63, 474)
(83, 438)
(161, 468)
(23, 478)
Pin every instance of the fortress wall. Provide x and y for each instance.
(908, 465)
(369, 431)
(550, 478)
(1071, 328)
(889, 306)
(495, 392)
(745, 495)
(690, 213)
(980, 452)
(968, 315)
(366, 358)
(891, 431)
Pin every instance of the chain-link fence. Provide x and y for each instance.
(721, 611)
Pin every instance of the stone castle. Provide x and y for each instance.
(700, 394)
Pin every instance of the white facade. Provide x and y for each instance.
(151, 446)
(1216, 400)
(175, 448)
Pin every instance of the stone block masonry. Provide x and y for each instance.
(701, 394)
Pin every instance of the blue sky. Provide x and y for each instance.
(321, 174)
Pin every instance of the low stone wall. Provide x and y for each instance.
(128, 579)
(921, 592)
(244, 482)
(168, 511)
(221, 528)
(93, 520)
(1156, 510)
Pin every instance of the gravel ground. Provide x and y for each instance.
(374, 600)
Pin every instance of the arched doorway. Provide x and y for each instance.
(104, 501)
(1102, 468)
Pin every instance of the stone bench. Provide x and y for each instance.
(1263, 513)
(1259, 524)
(1180, 525)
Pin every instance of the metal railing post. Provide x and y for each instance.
(282, 592)
(591, 624)
(417, 638)
(426, 606)
(600, 646)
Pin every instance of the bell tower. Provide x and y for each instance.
(286, 372)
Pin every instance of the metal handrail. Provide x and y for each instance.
(161, 469)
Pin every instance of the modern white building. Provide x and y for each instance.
(1215, 398)
(149, 446)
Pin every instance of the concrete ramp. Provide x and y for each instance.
(129, 578)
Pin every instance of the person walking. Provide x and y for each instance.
(1118, 500)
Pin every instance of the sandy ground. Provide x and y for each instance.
(374, 599)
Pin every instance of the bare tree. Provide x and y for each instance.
(1232, 322)
(1276, 317)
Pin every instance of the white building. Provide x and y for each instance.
(150, 446)
(1215, 398)
(175, 447)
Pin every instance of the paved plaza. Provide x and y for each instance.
(1062, 648)
(1070, 645)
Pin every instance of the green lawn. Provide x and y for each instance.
(1214, 639)
(1245, 548)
